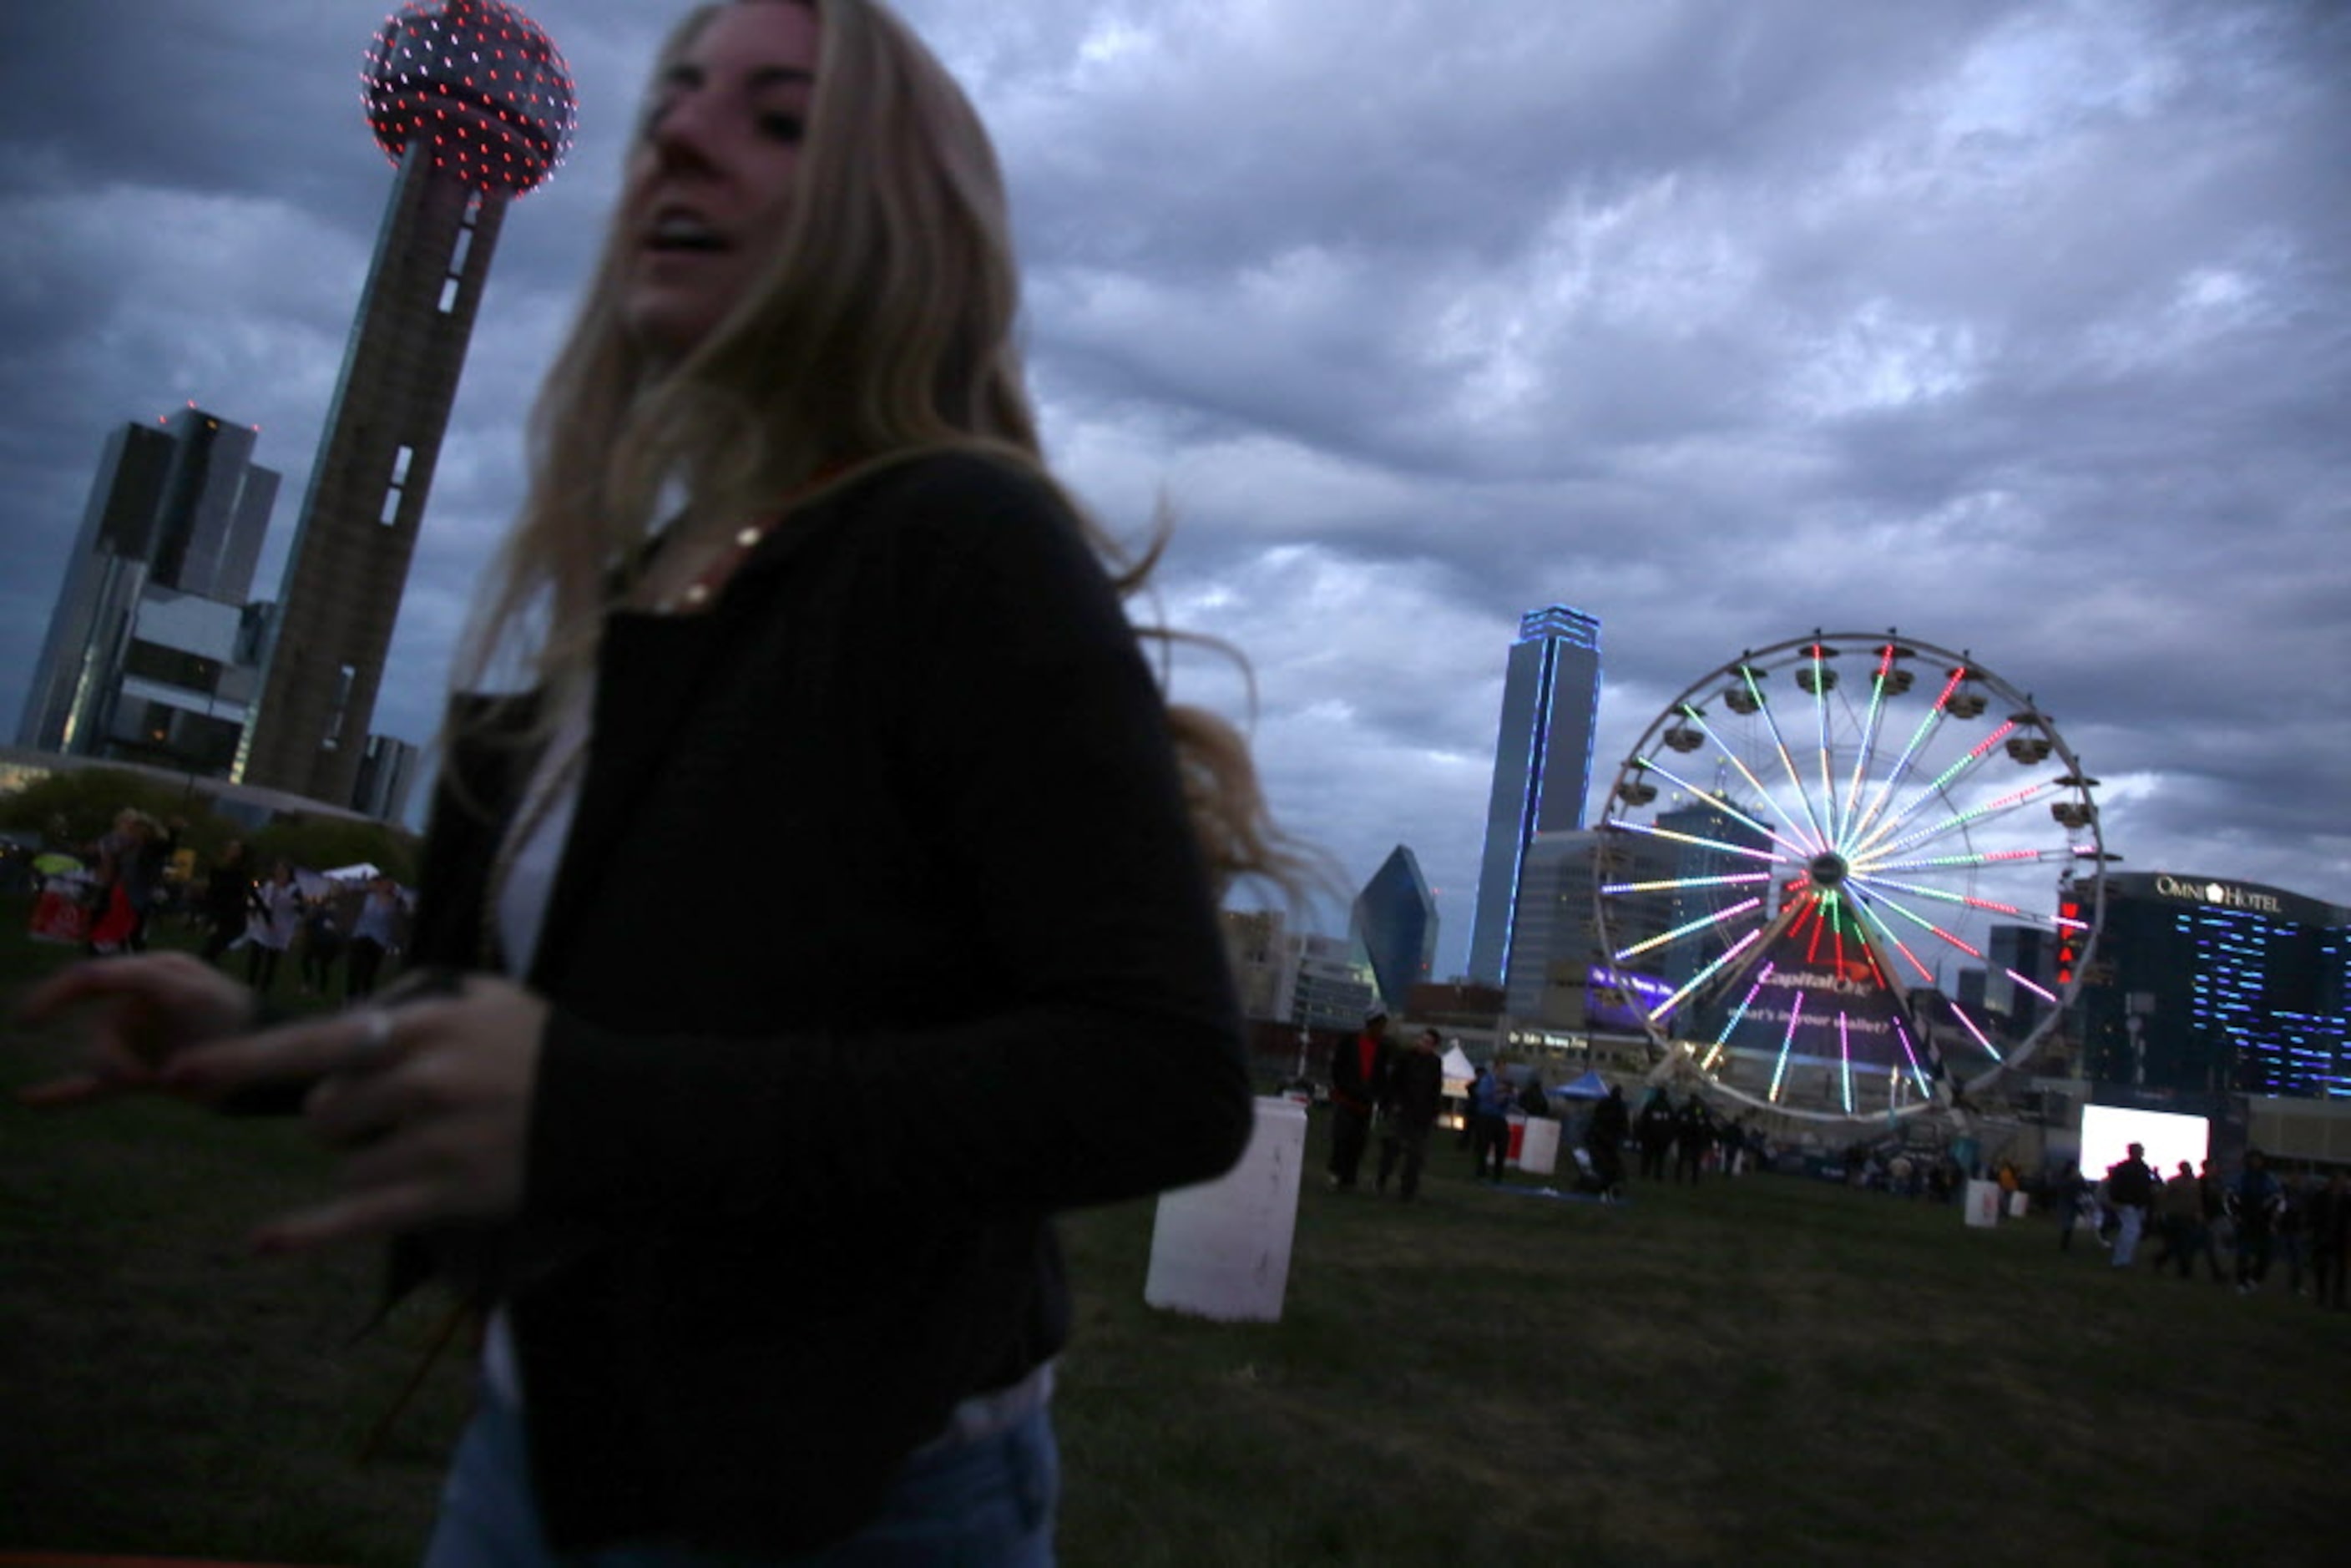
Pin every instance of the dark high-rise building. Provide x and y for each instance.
(2200, 985)
(474, 105)
(1542, 766)
(2027, 951)
(151, 654)
(1394, 921)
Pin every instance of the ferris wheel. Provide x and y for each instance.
(1849, 875)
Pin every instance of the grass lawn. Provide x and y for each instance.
(1765, 1370)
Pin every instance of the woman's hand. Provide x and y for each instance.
(146, 1011)
(428, 1102)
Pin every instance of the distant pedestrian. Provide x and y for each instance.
(2253, 1201)
(1693, 1135)
(321, 944)
(229, 898)
(274, 915)
(2067, 1194)
(1359, 1071)
(2330, 1239)
(1415, 1088)
(1655, 1132)
(1489, 1124)
(1604, 1138)
(2181, 1206)
(375, 932)
(2130, 1188)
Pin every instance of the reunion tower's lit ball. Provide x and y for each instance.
(478, 83)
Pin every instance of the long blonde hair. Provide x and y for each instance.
(893, 296)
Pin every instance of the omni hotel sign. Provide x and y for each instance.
(2218, 893)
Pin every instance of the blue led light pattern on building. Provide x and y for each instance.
(1542, 766)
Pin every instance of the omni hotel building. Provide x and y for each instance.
(2206, 986)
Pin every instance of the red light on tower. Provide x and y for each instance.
(420, 70)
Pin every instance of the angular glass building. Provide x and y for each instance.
(1395, 923)
(1542, 766)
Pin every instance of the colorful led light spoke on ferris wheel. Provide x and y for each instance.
(1650, 829)
(1944, 895)
(1820, 842)
(1935, 788)
(1821, 717)
(1867, 907)
(1924, 924)
(1678, 932)
(1666, 1007)
(1682, 885)
(1973, 814)
(1731, 1025)
(1981, 858)
(1990, 1050)
(1845, 1056)
(1787, 1042)
(1927, 727)
(2033, 985)
(1868, 748)
(1708, 797)
(1917, 1072)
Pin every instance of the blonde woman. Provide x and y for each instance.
(791, 579)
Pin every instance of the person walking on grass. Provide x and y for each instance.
(2329, 1223)
(1415, 1090)
(1489, 1124)
(2253, 1201)
(228, 899)
(1604, 1139)
(1359, 1073)
(2180, 1208)
(374, 933)
(2130, 1188)
(273, 917)
(2066, 1193)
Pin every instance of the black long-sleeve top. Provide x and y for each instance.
(880, 933)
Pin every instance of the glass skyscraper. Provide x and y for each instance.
(150, 655)
(1395, 924)
(1542, 766)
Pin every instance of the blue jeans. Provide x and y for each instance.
(987, 1504)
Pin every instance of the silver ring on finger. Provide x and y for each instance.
(374, 1043)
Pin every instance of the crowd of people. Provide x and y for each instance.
(2294, 1229)
(338, 931)
(1398, 1094)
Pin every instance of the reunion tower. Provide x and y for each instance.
(474, 105)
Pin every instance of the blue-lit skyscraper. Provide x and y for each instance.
(1542, 766)
(2208, 986)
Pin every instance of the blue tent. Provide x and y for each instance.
(1591, 1086)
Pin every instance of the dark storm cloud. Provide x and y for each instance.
(2019, 327)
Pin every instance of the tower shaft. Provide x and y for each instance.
(357, 535)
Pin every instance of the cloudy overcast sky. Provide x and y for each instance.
(2019, 327)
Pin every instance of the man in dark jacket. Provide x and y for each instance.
(1359, 1076)
(1415, 1089)
(1604, 1138)
(2130, 1188)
